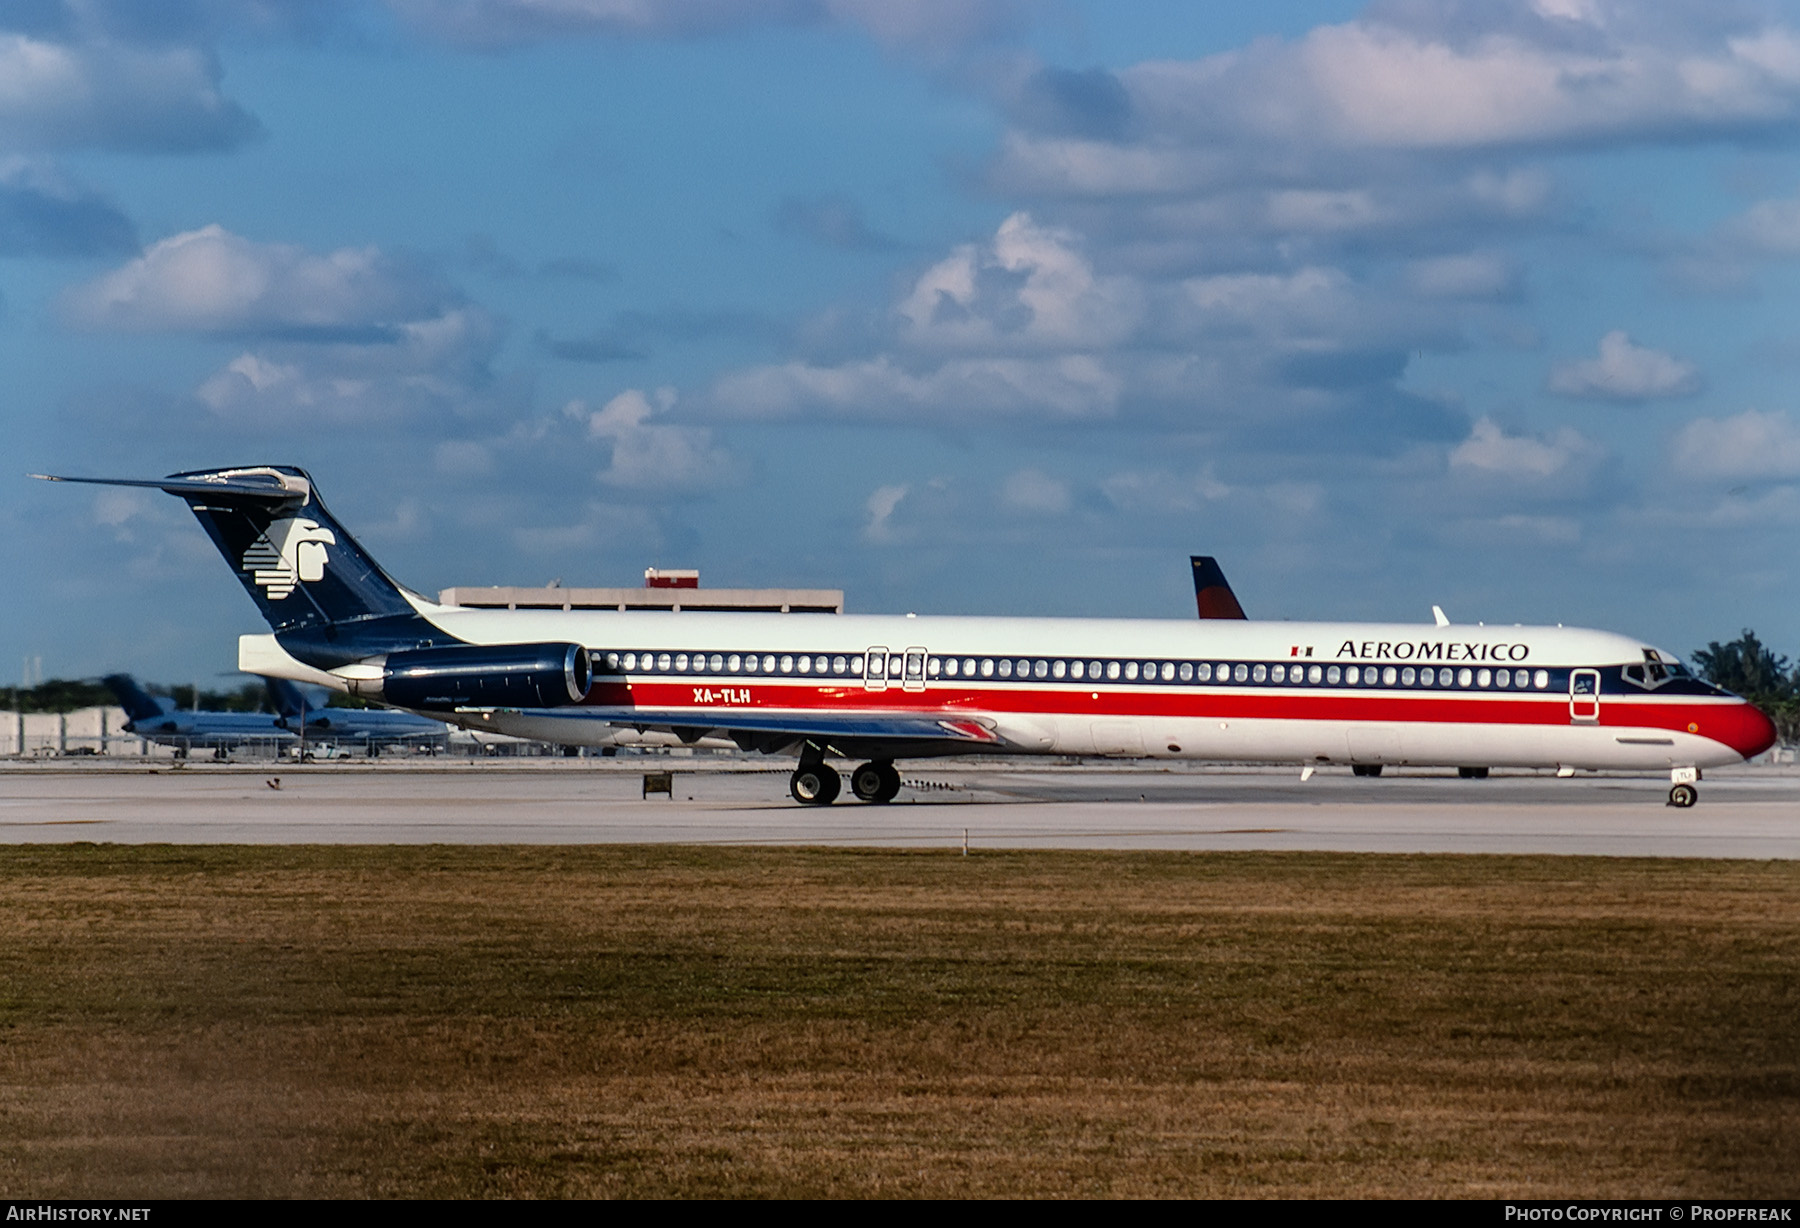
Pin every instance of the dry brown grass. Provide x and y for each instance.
(630, 1021)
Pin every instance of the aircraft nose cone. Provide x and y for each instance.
(1746, 729)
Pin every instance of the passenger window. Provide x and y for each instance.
(664, 662)
(1131, 671)
(1388, 675)
(1059, 668)
(1407, 676)
(934, 667)
(1503, 677)
(950, 668)
(1187, 671)
(1112, 671)
(1483, 677)
(1278, 673)
(987, 667)
(1352, 676)
(1041, 669)
(1077, 669)
(837, 665)
(1259, 674)
(1168, 671)
(805, 665)
(1203, 672)
(787, 665)
(1005, 668)
(1240, 673)
(915, 667)
(1465, 676)
(1541, 679)
(1313, 674)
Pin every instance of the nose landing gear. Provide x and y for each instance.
(1682, 793)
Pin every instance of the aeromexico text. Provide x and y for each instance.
(1431, 650)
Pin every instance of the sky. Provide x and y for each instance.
(962, 306)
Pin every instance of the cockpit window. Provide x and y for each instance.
(1655, 670)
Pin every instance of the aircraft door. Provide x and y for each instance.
(875, 669)
(914, 677)
(1584, 697)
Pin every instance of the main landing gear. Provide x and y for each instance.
(876, 782)
(816, 784)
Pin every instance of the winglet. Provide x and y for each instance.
(1212, 594)
(1437, 616)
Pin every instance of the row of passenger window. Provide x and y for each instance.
(1055, 669)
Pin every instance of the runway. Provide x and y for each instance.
(1746, 812)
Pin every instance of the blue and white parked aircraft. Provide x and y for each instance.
(158, 719)
(886, 688)
(373, 728)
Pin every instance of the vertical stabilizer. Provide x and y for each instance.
(139, 704)
(1212, 594)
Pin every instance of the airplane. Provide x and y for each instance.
(158, 719)
(1212, 592)
(886, 688)
(372, 727)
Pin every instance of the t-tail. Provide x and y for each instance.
(327, 601)
(331, 605)
(1211, 592)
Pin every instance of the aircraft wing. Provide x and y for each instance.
(850, 733)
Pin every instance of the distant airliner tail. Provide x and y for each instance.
(139, 704)
(289, 700)
(1211, 592)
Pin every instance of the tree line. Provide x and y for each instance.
(69, 694)
(1747, 667)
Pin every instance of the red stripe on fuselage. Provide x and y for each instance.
(1730, 721)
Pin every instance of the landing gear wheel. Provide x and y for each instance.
(876, 782)
(1472, 773)
(816, 785)
(1683, 796)
(1365, 769)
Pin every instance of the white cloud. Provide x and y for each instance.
(928, 25)
(112, 95)
(1769, 227)
(881, 506)
(1625, 372)
(1749, 445)
(212, 281)
(1384, 84)
(1470, 275)
(1070, 386)
(1027, 289)
(1488, 449)
(651, 456)
(1034, 492)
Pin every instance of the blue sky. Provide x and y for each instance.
(980, 307)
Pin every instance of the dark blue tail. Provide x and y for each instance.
(289, 700)
(139, 705)
(328, 602)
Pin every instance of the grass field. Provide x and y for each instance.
(476, 1021)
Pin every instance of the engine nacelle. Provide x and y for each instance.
(500, 676)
